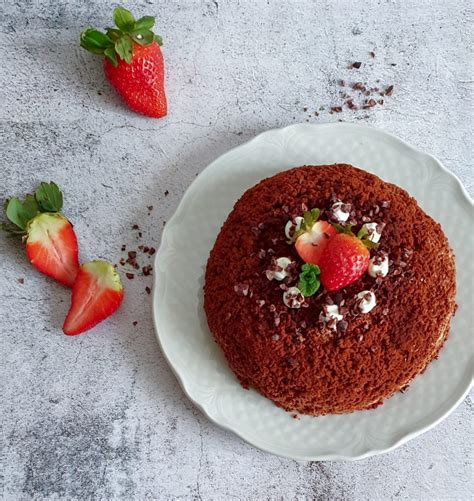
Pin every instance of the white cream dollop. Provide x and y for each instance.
(283, 263)
(366, 301)
(376, 268)
(293, 298)
(330, 312)
(340, 215)
(372, 234)
(293, 226)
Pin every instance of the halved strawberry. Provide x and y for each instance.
(344, 261)
(97, 293)
(312, 238)
(51, 244)
(51, 247)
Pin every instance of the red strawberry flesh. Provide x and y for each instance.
(344, 261)
(96, 295)
(311, 244)
(51, 247)
(140, 83)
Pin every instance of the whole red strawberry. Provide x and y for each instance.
(344, 260)
(133, 61)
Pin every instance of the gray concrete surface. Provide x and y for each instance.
(101, 415)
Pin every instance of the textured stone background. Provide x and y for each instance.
(101, 414)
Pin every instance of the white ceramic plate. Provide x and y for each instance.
(197, 360)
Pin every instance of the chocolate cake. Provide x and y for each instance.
(334, 349)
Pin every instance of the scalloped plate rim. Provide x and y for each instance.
(187, 386)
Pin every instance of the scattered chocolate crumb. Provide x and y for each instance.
(356, 65)
(21, 281)
(336, 109)
(358, 86)
(135, 323)
(140, 234)
(341, 83)
(342, 326)
(150, 208)
(148, 290)
(145, 249)
(135, 227)
(151, 251)
(305, 108)
(295, 416)
(122, 261)
(147, 270)
(124, 247)
(130, 276)
(166, 193)
(389, 90)
(241, 289)
(372, 54)
(132, 254)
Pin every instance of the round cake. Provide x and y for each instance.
(329, 289)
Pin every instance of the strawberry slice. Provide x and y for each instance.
(345, 260)
(311, 243)
(97, 294)
(51, 247)
(51, 244)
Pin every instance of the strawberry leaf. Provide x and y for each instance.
(145, 23)
(124, 48)
(142, 36)
(315, 214)
(308, 282)
(94, 41)
(362, 232)
(19, 213)
(111, 55)
(339, 228)
(159, 40)
(124, 19)
(113, 34)
(369, 244)
(308, 220)
(49, 197)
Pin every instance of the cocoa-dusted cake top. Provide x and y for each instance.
(329, 289)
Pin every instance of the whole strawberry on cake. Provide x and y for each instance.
(329, 289)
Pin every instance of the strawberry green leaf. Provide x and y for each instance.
(124, 48)
(19, 213)
(339, 228)
(145, 23)
(308, 282)
(123, 19)
(113, 34)
(369, 244)
(142, 36)
(158, 40)
(362, 232)
(49, 197)
(308, 220)
(94, 41)
(111, 55)
(315, 214)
